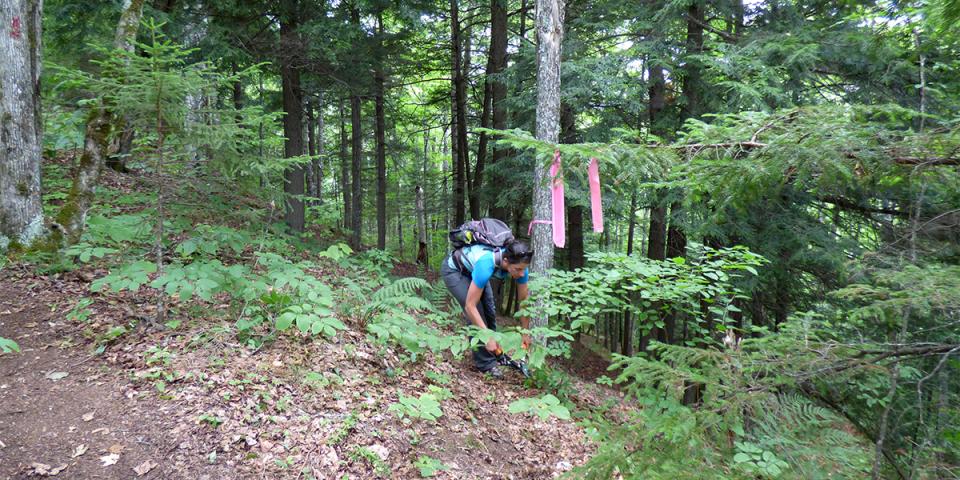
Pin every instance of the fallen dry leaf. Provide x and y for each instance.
(87, 416)
(110, 459)
(144, 467)
(57, 375)
(115, 448)
(45, 470)
(80, 450)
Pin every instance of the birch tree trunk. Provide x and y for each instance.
(21, 210)
(549, 39)
(73, 215)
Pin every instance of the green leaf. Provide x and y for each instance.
(284, 321)
(7, 345)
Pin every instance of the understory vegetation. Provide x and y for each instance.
(247, 204)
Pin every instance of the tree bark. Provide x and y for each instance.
(493, 94)
(294, 214)
(498, 63)
(318, 162)
(72, 217)
(381, 143)
(549, 38)
(459, 127)
(422, 257)
(575, 257)
(692, 86)
(345, 170)
(357, 147)
(21, 150)
(312, 151)
(459, 180)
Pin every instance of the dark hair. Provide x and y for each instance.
(517, 251)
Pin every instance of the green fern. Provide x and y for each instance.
(403, 287)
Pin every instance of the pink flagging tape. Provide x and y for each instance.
(534, 222)
(556, 191)
(596, 205)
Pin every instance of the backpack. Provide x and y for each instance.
(486, 231)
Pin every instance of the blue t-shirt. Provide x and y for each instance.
(479, 261)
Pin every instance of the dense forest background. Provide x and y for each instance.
(777, 282)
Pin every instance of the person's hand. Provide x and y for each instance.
(492, 346)
(526, 341)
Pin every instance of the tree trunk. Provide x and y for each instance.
(458, 118)
(657, 246)
(21, 209)
(73, 215)
(482, 144)
(293, 118)
(549, 38)
(575, 257)
(676, 238)
(118, 161)
(381, 144)
(312, 151)
(345, 170)
(356, 223)
(494, 92)
(629, 323)
(692, 69)
(318, 162)
(422, 257)
(498, 63)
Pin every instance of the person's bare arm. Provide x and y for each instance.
(473, 314)
(522, 293)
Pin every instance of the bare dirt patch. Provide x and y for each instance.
(196, 404)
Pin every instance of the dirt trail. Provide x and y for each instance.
(226, 412)
(48, 420)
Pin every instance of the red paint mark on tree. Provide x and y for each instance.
(15, 28)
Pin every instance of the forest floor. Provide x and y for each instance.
(189, 401)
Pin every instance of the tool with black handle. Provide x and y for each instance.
(505, 360)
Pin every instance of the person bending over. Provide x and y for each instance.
(467, 272)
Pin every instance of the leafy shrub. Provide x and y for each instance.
(544, 407)
(426, 407)
(429, 467)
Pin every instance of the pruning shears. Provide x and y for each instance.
(518, 365)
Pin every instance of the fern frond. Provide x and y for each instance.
(404, 287)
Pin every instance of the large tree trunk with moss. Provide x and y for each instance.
(73, 215)
(21, 211)
(549, 37)
(294, 214)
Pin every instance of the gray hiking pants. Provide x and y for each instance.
(458, 283)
